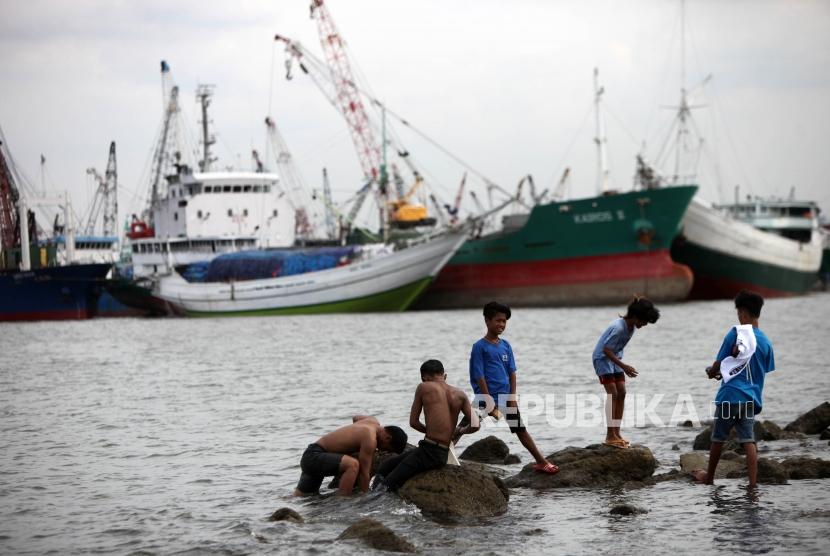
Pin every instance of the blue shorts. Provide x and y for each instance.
(738, 415)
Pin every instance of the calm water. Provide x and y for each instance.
(163, 436)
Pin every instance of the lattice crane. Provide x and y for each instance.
(105, 202)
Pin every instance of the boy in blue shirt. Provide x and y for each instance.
(609, 366)
(493, 374)
(741, 398)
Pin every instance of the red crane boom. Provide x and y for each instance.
(347, 96)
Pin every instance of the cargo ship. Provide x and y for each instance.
(34, 284)
(593, 251)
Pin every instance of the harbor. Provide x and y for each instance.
(233, 231)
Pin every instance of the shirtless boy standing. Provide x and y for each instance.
(328, 456)
(441, 404)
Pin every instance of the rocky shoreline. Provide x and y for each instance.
(480, 489)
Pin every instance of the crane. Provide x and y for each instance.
(161, 158)
(105, 202)
(334, 77)
(295, 186)
(348, 98)
(331, 232)
(9, 229)
(453, 210)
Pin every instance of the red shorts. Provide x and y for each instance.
(612, 378)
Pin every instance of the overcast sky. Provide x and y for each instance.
(504, 85)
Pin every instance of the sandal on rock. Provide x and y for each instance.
(616, 444)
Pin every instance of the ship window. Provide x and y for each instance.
(230, 212)
(237, 189)
(244, 212)
(275, 213)
(175, 216)
(183, 203)
(247, 189)
(227, 189)
(267, 189)
(173, 193)
(198, 214)
(257, 188)
(208, 189)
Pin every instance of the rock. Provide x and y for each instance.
(812, 422)
(487, 450)
(452, 491)
(511, 459)
(286, 514)
(594, 466)
(730, 468)
(687, 423)
(675, 447)
(766, 430)
(703, 441)
(771, 472)
(376, 535)
(627, 509)
(671, 475)
(807, 468)
(825, 434)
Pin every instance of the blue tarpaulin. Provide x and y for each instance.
(272, 263)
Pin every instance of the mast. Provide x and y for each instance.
(203, 95)
(599, 139)
(683, 111)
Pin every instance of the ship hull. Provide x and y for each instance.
(385, 283)
(51, 293)
(727, 256)
(594, 251)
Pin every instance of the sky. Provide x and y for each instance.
(505, 86)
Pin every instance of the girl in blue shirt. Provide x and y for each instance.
(611, 370)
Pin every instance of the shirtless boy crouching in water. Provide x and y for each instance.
(441, 404)
(328, 456)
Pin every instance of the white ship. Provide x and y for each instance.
(774, 248)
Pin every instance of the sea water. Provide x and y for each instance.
(182, 436)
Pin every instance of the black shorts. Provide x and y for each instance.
(514, 419)
(317, 464)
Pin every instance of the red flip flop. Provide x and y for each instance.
(547, 468)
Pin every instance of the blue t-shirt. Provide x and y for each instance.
(495, 363)
(615, 338)
(743, 388)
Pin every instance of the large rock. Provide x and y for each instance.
(286, 514)
(807, 468)
(487, 450)
(594, 466)
(376, 535)
(812, 422)
(451, 491)
(703, 441)
(727, 468)
(771, 472)
(733, 466)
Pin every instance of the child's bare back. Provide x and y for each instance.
(351, 438)
(441, 404)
